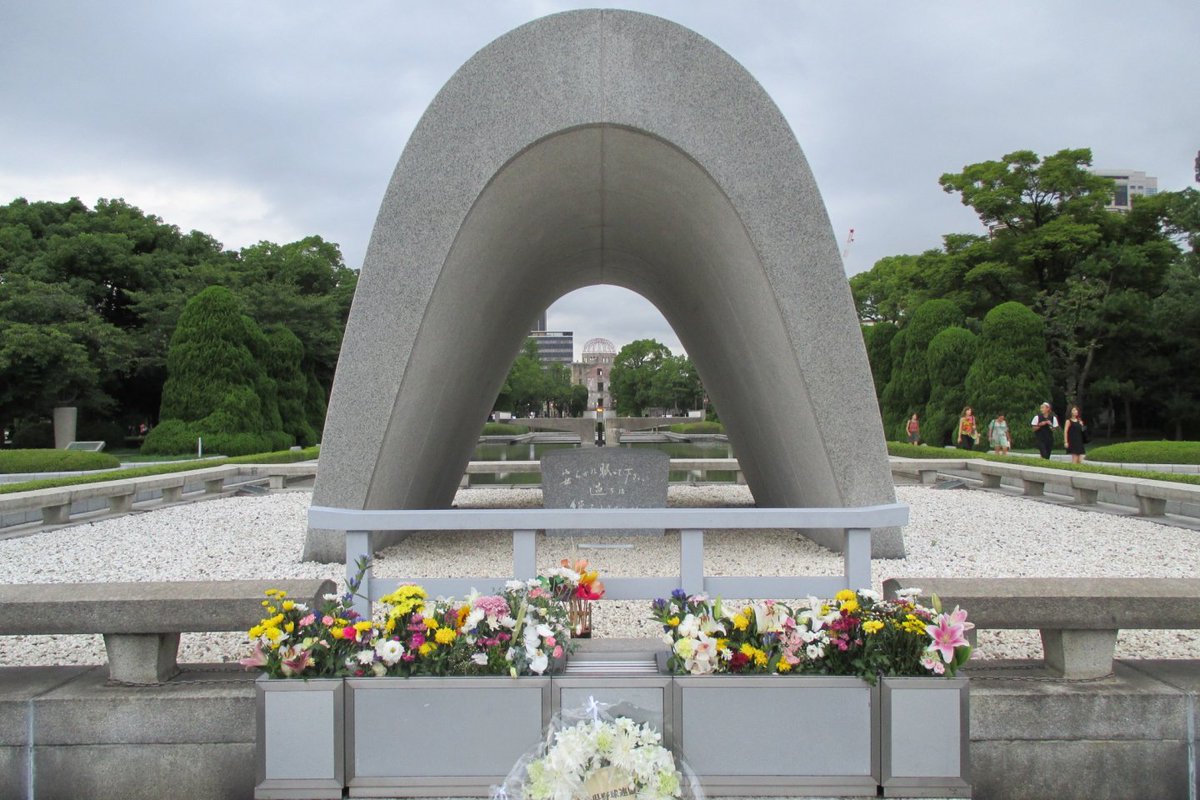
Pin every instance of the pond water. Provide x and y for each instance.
(533, 452)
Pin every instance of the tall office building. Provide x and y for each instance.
(1129, 184)
(554, 346)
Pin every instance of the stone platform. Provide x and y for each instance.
(1032, 736)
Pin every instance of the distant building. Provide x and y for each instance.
(593, 372)
(554, 347)
(1129, 184)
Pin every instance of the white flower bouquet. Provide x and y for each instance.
(589, 753)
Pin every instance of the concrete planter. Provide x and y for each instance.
(301, 742)
(778, 735)
(925, 737)
(440, 737)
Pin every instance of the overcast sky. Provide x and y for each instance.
(277, 120)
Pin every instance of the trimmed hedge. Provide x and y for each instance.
(697, 427)
(503, 429)
(281, 457)
(13, 461)
(1161, 452)
(906, 450)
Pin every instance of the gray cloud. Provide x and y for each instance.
(280, 119)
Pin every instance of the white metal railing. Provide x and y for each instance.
(856, 524)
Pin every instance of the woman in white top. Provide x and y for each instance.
(1044, 424)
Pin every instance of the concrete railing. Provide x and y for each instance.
(856, 524)
(1150, 497)
(57, 505)
(696, 468)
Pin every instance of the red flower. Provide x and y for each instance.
(738, 662)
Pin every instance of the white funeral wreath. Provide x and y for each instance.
(604, 760)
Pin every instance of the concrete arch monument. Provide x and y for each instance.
(594, 147)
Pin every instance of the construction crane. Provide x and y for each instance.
(849, 241)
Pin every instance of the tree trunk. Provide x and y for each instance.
(1128, 420)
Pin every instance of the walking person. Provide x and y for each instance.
(914, 430)
(1044, 424)
(998, 434)
(1075, 436)
(965, 435)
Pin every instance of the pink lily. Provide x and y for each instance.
(296, 664)
(257, 658)
(947, 635)
(959, 616)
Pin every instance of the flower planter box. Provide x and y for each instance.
(439, 737)
(301, 742)
(778, 735)
(924, 743)
(643, 698)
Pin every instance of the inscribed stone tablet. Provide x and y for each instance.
(603, 477)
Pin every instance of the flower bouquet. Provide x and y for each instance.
(523, 630)
(578, 587)
(589, 753)
(856, 633)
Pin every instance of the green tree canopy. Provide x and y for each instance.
(216, 386)
(949, 357)
(1011, 371)
(126, 275)
(908, 390)
(632, 376)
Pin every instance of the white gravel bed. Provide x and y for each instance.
(956, 533)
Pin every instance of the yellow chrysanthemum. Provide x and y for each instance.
(427, 648)
(444, 636)
(337, 632)
(783, 666)
(747, 650)
(431, 623)
(760, 658)
(849, 606)
(365, 625)
(288, 605)
(740, 622)
(845, 595)
(872, 626)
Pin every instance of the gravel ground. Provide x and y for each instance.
(958, 533)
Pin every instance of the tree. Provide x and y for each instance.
(525, 383)
(54, 351)
(908, 390)
(216, 388)
(632, 375)
(949, 357)
(1023, 193)
(878, 340)
(1011, 372)
(676, 384)
(134, 273)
